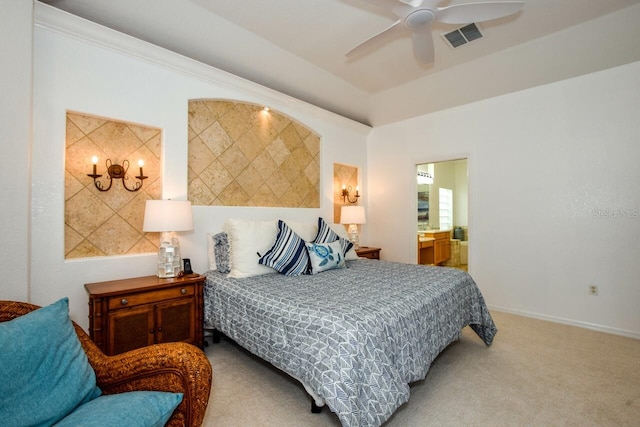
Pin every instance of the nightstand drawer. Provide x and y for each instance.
(159, 295)
(368, 252)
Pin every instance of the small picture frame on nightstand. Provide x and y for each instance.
(187, 266)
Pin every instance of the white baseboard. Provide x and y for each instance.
(586, 325)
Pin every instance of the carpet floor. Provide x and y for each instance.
(536, 373)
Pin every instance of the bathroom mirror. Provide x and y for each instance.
(442, 215)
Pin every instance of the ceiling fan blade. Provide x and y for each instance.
(477, 12)
(412, 3)
(423, 45)
(376, 39)
(400, 8)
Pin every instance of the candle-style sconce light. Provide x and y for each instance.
(346, 195)
(115, 171)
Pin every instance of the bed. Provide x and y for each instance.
(355, 337)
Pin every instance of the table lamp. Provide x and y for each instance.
(353, 215)
(167, 217)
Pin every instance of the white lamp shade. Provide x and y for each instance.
(168, 215)
(352, 215)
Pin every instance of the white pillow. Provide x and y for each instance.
(247, 239)
(342, 232)
(306, 230)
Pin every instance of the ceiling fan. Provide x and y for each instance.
(416, 16)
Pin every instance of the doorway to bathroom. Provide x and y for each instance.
(442, 216)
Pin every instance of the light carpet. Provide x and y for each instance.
(536, 373)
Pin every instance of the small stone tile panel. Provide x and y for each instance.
(241, 155)
(108, 223)
(343, 175)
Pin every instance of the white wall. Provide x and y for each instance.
(461, 195)
(83, 67)
(554, 203)
(15, 141)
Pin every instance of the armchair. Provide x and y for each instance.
(171, 367)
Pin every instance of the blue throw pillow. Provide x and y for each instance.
(327, 235)
(288, 255)
(221, 252)
(325, 256)
(132, 409)
(44, 372)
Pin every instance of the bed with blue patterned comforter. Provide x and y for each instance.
(355, 336)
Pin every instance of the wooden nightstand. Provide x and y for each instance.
(367, 252)
(132, 313)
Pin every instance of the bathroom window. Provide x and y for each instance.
(446, 208)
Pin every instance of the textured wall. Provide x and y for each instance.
(108, 223)
(241, 155)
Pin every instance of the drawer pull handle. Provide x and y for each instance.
(159, 328)
(124, 301)
(151, 331)
(183, 291)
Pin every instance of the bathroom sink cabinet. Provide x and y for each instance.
(434, 247)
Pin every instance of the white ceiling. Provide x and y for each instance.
(298, 47)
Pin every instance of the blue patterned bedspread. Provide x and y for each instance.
(356, 336)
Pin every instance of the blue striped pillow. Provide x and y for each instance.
(288, 255)
(327, 235)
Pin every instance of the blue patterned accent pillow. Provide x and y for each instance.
(288, 255)
(221, 252)
(327, 235)
(325, 256)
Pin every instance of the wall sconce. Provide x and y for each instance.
(116, 172)
(346, 195)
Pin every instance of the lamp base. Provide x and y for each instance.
(169, 262)
(353, 236)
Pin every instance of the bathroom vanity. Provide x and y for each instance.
(434, 247)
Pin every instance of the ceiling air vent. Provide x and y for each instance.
(463, 35)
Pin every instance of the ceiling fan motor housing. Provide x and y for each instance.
(420, 18)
